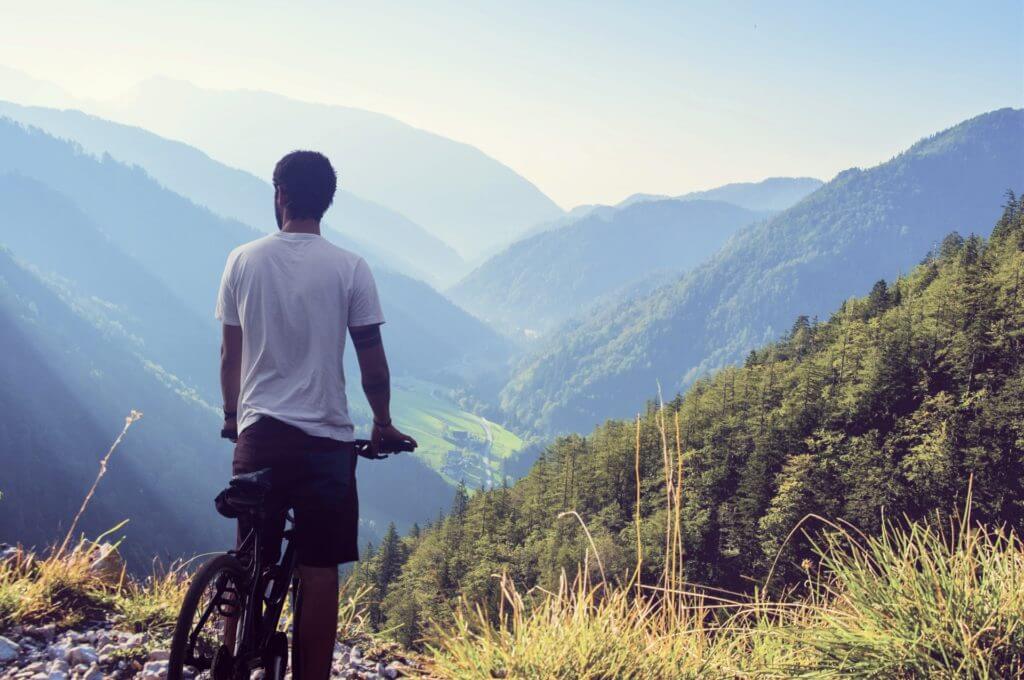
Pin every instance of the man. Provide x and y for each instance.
(285, 302)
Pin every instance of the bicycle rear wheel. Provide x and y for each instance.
(215, 591)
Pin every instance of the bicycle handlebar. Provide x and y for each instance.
(362, 447)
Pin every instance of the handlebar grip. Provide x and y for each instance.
(362, 448)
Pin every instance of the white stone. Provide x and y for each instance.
(159, 655)
(9, 649)
(155, 668)
(83, 654)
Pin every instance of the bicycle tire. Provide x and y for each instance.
(214, 567)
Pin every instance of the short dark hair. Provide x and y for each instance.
(308, 181)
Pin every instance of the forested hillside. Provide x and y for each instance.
(861, 226)
(889, 408)
(538, 282)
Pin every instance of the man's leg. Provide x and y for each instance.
(318, 621)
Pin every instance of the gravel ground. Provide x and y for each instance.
(99, 651)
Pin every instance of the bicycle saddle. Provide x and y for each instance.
(245, 493)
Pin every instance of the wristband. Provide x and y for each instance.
(380, 424)
(230, 414)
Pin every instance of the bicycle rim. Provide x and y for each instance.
(214, 593)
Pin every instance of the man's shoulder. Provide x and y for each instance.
(343, 255)
(250, 247)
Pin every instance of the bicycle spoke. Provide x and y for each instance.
(207, 630)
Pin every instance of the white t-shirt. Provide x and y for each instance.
(295, 295)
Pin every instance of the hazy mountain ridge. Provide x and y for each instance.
(861, 226)
(236, 194)
(773, 193)
(475, 204)
(124, 279)
(185, 246)
(539, 282)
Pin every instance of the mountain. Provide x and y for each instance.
(537, 283)
(233, 193)
(128, 271)
(774, 193)
(65, 389)
(67, 382)
(184, 247)
(770, 195)
(887, 411)
(24, 88)
(861, 226)
(459, 194)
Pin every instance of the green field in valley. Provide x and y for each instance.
(459, 445)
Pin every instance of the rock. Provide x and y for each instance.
(389, 671)
(83, 655)
(8, 552)
(47, 632)
(159, 655)
(94, 673)
(357, 652)
(155, 669)
(58, 651)
(9, 649)
(107, 562)
(57, 675)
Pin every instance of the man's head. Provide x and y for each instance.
(304, 186)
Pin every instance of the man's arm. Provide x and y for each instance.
(376, 378)
(231, 377)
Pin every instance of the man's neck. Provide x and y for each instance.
(306, 226)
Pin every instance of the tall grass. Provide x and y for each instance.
(60, 587)
(917, 601)
(65, 584)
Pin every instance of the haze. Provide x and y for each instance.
(590, 101)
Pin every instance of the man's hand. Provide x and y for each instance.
(388, 436)
(230, 428)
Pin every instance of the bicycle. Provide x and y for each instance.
(237, 586)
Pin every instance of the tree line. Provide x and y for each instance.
(886, 410)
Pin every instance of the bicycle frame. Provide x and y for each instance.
(262, 611)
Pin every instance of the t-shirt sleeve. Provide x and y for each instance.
(227, 304)
(363, 302)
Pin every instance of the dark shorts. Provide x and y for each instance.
(316, 477)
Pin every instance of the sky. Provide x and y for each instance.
(591, 101)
